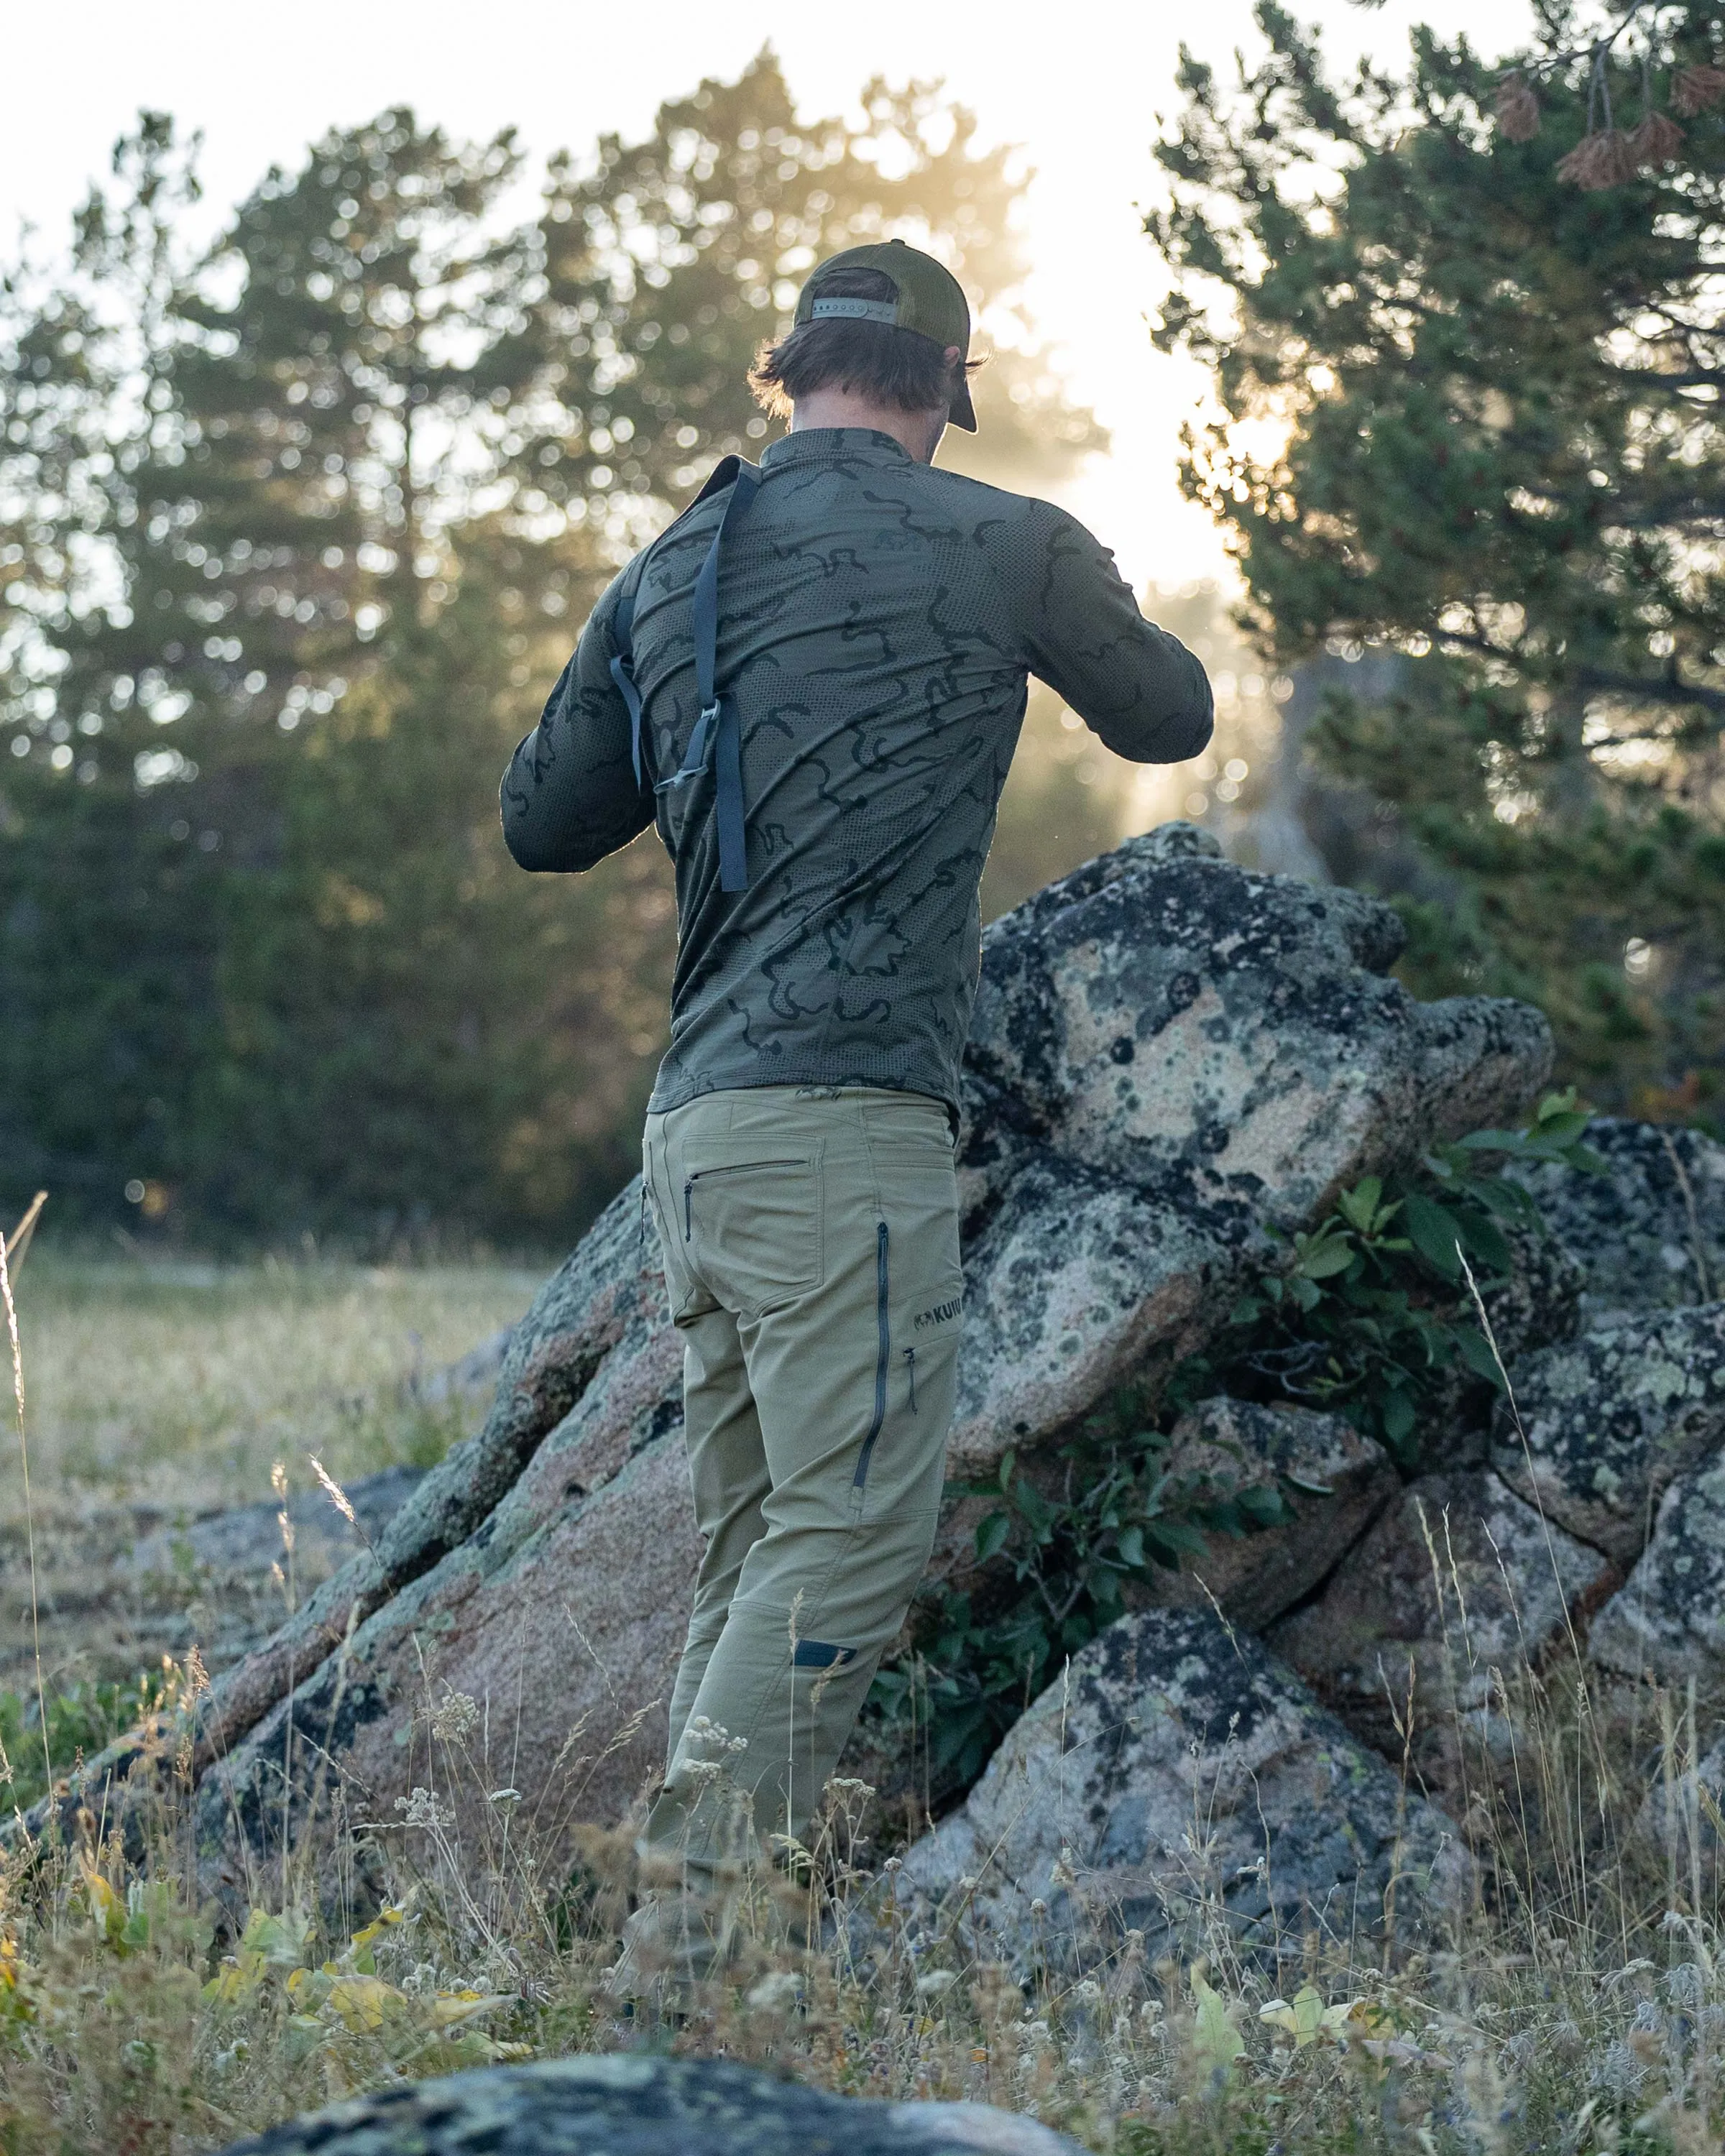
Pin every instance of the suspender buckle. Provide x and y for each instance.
(710, 713)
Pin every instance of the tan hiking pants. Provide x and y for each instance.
(811, 1255)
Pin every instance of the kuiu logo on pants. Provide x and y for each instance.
(942, 1313)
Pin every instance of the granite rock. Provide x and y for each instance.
(1179, 1779)
(1169, 1055)
(243, 1542)
(1650, 1232)
(1459, 1579)
(1681, 1816)
(1668, 1619)
(1611, 1418)
(1332, 1480)
(632, 2103)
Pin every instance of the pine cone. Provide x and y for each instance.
(1604, 160)
(1658, 141)
(1517, 111)
(1696, 88)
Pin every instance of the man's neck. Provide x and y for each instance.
(917, 433)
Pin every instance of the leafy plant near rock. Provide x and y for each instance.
(1368, 1314)
(81, 1720)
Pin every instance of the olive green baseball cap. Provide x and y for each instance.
(930, 300)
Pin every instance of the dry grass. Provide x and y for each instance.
(144, 1378)
(1576, 2006)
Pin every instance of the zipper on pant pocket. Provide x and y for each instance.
(732, 1167)
(911, 1367)
(883, 1355)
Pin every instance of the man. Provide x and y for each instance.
(813, 682)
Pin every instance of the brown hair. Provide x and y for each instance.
(897, 367)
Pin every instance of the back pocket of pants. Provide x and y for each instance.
(755, 1225)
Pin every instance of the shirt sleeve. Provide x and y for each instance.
(569, 797)
(1137, 688)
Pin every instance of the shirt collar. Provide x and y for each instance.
(816, 444)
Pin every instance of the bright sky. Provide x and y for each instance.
(1079, 84)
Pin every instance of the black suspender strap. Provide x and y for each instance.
(717, 742)
(623, 673)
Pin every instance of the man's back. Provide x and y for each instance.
(877, 619)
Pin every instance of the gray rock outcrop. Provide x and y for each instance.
(245, 1541)
(1612, 1418)
(1650, 1232)
(1180, 1778)
(1668, 1619)
(1170, 1055)
(1334, 1481)
(631, 2104)
(1457, 1579)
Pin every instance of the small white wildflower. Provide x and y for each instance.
(709, 1736)
(422, 1809)
(455, 1718)
(1089, 1990)
(504, 1797)
(935, 1984)
(1039, 1907)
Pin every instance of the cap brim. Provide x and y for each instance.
(961, 412)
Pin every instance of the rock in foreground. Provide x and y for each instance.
(1650, 1231)
(1182, 1779)
(1332, 1480)
(1458, 1579)
(1611, 1418)
(1668, 1622)
(630, 2104)
(1170, 1055)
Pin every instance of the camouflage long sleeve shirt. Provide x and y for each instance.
(878, 621)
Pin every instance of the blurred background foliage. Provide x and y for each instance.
(296, 528)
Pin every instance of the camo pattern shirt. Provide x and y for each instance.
(878, 621)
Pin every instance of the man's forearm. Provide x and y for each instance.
(1169, 712)
(569, 796)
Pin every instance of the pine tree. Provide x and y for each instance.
(1478, 310)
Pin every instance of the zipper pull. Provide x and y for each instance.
(910, 1365)
(688, 1220)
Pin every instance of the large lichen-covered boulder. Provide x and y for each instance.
(1457, 1580)
(635, 2104)
(1603, 1424)
(1650, 1231)
(1171, 1057)
(1178, 1778)
(1331, 1481)
(1668, 1620)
